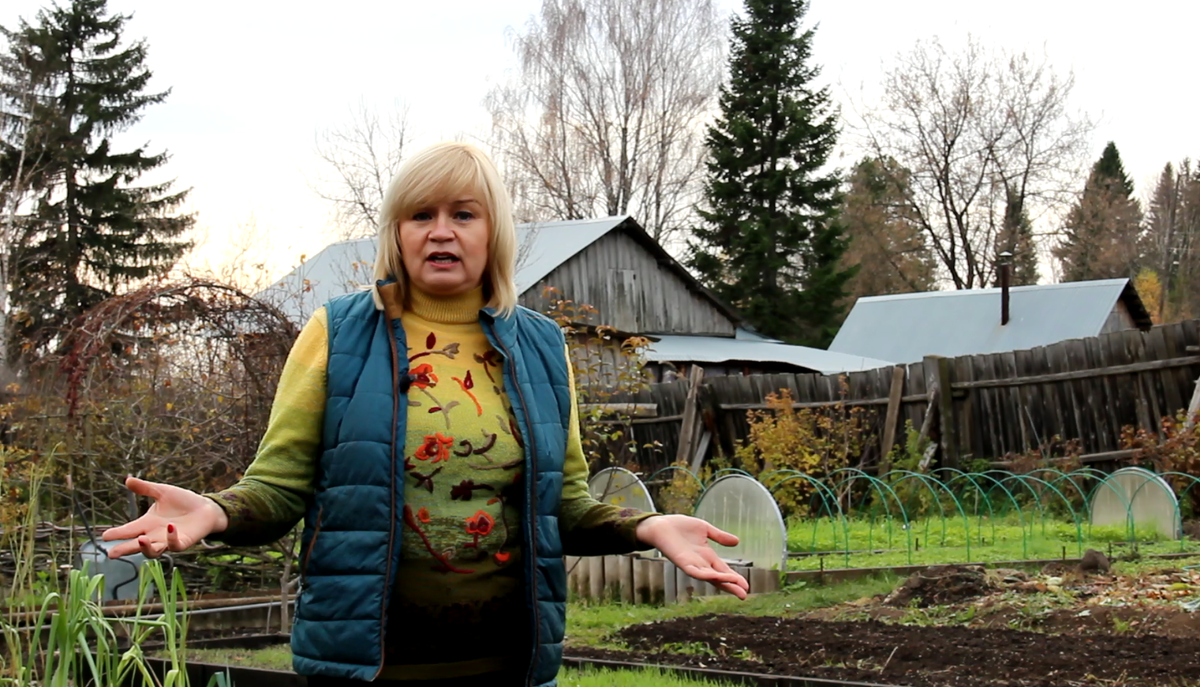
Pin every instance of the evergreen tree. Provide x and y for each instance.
(90, 230)
(1170, 240)
(771, 243)
(1102, 230)
(887, 242)
(1017, 240)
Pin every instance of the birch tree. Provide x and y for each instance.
(605, 113)
(992, 145)
(359, 159)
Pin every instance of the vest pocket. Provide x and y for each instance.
(312, 543)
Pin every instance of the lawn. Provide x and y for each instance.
(928, 541)
(280, 658)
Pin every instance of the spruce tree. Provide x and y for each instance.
(887, 241)
(1101, 236)
(771, 243)
(91, 229)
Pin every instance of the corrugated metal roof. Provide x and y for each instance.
(714, 349)
(347, 266)
(907, 327)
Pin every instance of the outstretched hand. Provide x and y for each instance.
(178, 519)
(684, 540)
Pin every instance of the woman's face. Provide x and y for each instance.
(445, 246)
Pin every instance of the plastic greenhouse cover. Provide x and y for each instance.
(741, 505)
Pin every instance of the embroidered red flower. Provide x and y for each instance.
(480, 524)
(423, 515)
(423, 376)
(436, 447)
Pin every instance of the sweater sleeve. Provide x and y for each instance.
(588, 527)
(274, 492)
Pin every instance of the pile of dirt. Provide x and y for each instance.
(941, 586)
(906, 655)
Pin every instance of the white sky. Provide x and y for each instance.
(253, 81)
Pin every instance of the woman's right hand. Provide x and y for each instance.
(177, 520)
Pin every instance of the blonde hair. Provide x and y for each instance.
(442, 172)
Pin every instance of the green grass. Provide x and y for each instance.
(280, 658)
(591, 623)
(626, 678)
(932, 540)
(272, 657)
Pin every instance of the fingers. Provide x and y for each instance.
(151, 548)
(734, 589)
(148, 543)
(125, 548)
(127, 531)
(709, 574)
(722, 537)
(174, 541)
(143, 488)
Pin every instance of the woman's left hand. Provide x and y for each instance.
(684, 540)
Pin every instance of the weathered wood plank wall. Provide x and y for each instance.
(631, 291)
(990, 406)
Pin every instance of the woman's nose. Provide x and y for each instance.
(442, 229)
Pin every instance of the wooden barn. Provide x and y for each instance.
(613, 265)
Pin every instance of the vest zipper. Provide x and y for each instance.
(531, 497)
(312, 544)
(392, 526)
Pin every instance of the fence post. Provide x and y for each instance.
(893, 413)
(940, 374)
(688, 431)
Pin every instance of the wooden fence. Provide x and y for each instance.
(977, 407)
(633, 578)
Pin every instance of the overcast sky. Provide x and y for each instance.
(254, 81)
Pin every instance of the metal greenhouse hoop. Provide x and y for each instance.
(879, 485)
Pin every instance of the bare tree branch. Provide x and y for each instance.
(989, 139)
(360, 158)
(605, 114)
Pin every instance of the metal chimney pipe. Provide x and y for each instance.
(1005, 279)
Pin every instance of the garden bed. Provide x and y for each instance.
(958, 626)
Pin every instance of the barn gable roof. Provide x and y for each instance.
(347, 266)
(907, 327)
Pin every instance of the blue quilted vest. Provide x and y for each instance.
(350, 545)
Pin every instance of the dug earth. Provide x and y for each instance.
(960, 625)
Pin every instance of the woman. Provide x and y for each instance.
(427, 433)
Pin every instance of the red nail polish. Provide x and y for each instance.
(170, 529)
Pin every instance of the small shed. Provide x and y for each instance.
(905, 328)
(612, 264)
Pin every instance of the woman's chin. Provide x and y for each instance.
(444, 284)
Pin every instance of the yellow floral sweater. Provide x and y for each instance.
(459, 589)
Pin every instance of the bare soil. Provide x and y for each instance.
(958, 626)
(879, 652)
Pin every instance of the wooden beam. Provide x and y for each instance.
(1193, 408)
(849, 403)
(642, 420)
(948, 425)
(701, 450)
(893, 412)
(683, 452)
(1081, 374)
(630, 409)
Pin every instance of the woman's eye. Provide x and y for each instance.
(464, 215)
(422, 216)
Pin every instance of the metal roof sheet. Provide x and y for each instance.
(907, 327)
(715, 349)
